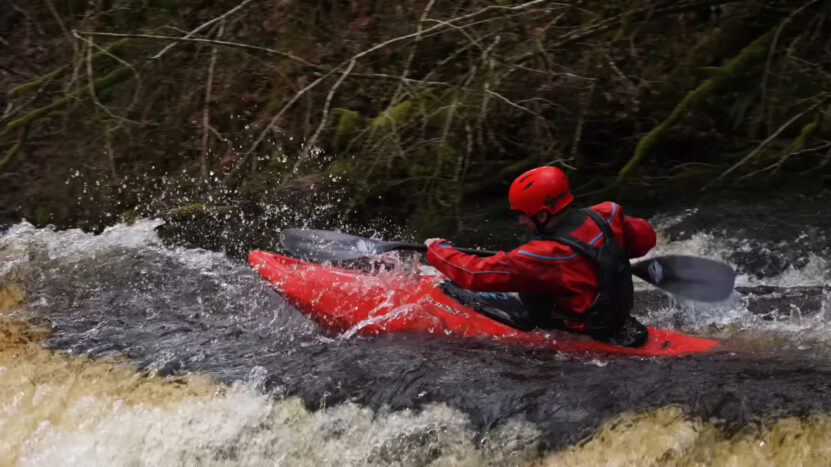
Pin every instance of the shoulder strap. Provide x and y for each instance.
(602, 223)
(564, 235)
(578, 245)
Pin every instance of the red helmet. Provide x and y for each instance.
(538, 189)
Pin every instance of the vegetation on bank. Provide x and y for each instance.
(405, 108)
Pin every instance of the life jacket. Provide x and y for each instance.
(612, 305)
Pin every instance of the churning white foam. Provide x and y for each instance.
(245, 427)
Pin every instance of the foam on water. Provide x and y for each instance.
(23, 240)
(75, 243)
(813, 271)
(71, 242)
(245, 428)
(107, 414)
(57, 410)
(668, 436)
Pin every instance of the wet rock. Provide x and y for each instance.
(782, 303)
(5, 223)
(767, 302)
(783, 218)
(761, 239)
(762, 262)
(649, 300)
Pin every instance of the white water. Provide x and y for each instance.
(240, 425)
(23, 240)
(244, 427)
(231, 426)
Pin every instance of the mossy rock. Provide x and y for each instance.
(42, 214)
(129, 217)
(391, 118)
(349, 123)
(196, 209)
(341, 168)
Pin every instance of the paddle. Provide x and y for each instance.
(690, 277)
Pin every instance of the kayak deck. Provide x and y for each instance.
(352, 302)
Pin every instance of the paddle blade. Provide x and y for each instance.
(325, 245)
(691, 277)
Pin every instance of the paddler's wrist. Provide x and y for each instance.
(436, 242)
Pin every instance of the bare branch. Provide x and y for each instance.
(365, 52)
(773, 43)
(764, 143)
(267, 50)
(575, 35)
(58, 20)
(237, 45)
(206, 112)
(274, 120)
(409, 62)
(203, 26)
(108, 146)
(447, 23)
(778, 164)
(325, 114)
(512, 103)
(26, 15)
(91, 77)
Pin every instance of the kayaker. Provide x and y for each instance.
(569, 276)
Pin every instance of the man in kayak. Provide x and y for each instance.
(574, 274)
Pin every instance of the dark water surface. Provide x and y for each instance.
(171, 311)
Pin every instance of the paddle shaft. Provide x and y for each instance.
(691, 277)
(423, 248)
(641, 272)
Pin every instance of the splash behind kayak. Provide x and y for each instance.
(344, 301)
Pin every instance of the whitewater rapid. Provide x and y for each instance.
(118, 349)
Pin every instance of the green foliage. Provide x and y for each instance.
(129, 217)
(739, 66)
(391, 118)
(114, 77)
(36, 83)
(346, 131)
(602, 86)
(60, 71)
(818, 126)
(15, 147)
(196, 209)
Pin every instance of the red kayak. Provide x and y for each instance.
(345, 301)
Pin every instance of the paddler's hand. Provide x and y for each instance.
(431, 241)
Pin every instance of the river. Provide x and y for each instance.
(121, 349)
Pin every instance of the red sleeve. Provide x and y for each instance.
(638, 236)
(497, 273)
